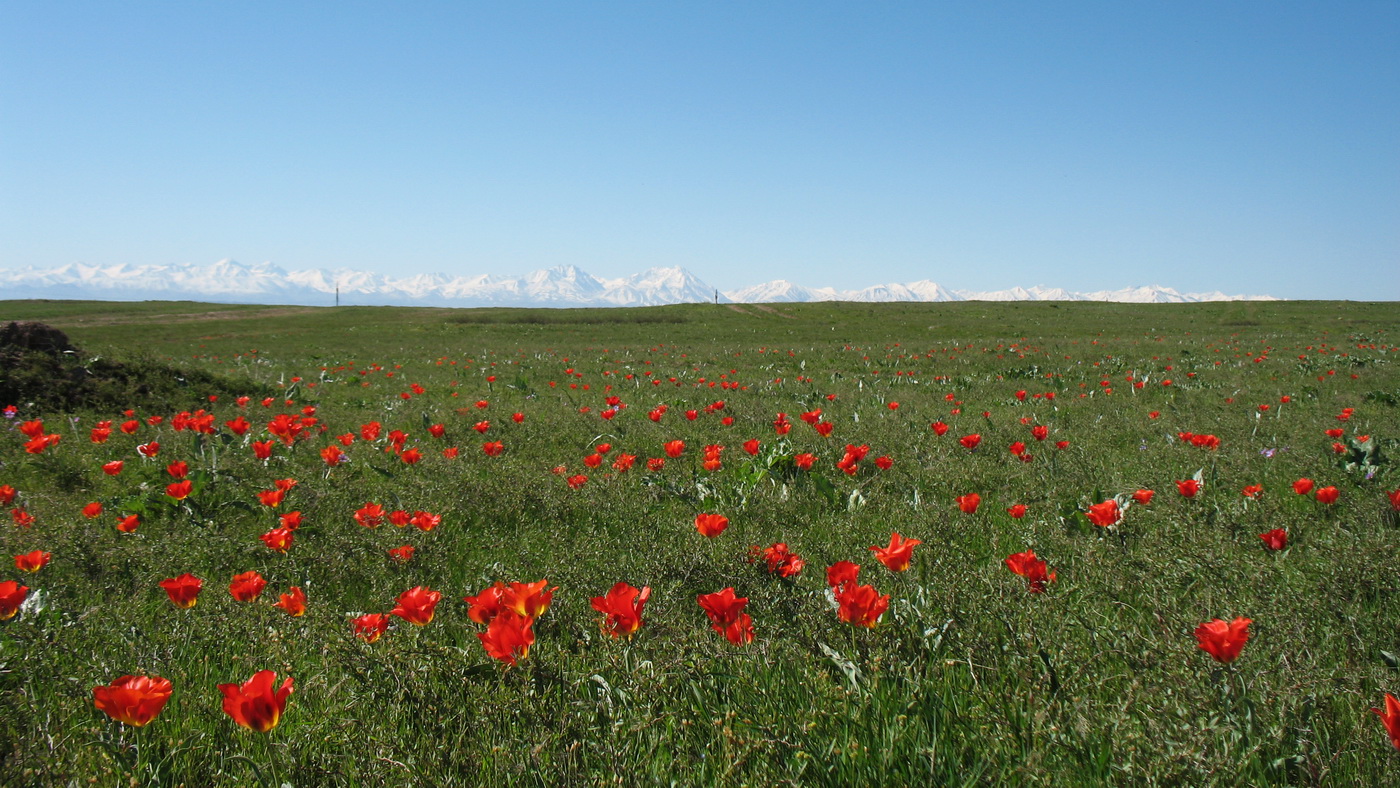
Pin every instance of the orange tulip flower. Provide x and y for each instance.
(969, 503)
(370, 627)
(254, 704)
(897, 555)
(622, 609)
(133, 700)
(842, 572)
(861, 606)
(1105, 514)
(247, 586)
(727, 615)
(1033, 569)
(278, 539)
(711, 525)
(530, 600)
(183, 590)
(416, 605)
(508, 638)
(293, 603)
(1390, 718)
(12, 595)
(1223, 640)
(32, 562)
(487, 605)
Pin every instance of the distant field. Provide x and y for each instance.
(968, 678)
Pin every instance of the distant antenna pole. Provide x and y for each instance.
(716, 296)
(337, 295)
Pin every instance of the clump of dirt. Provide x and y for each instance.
(43, 371)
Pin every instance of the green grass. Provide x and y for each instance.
(968, 679)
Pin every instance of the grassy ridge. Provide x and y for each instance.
(967, 680)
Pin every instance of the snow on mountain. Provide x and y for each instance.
(562, 286)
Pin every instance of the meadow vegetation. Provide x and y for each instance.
(970, 677)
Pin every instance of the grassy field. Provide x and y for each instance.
(967, 679)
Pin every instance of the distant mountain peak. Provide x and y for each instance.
(230, 281)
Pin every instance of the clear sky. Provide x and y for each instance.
(1250, 147)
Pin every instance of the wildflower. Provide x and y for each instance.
(133, 700)
(493, 448)
(487, 605)
(255, 705)
(112, 468)
(780, 560)
(842, 572)
(416, 605)
(860, 605)
(1188, 488)
(370, 627)
(271, 498)
(897, 555)
(530, 600)
(1328, 495)
(293, 603)
(1017, 511)
(1104, 514)
(7, 495)
(939, 428)
(622, 609)
(1253, 491)
(508, 637)
(1143, 497)
(11, 597)
(128, 524)
(402, 554)
(425, 521)
(1390, 718)
(278, 540)
(371, 515)
(804, 461)
(32, 561)
(577, 481)
(1223, 640)
(92, 510)
(1040, 432)
(1276, 539)
(970, 441)
(1033, 569)
(1303, 486)
(178, 469)
(674, 449)
(247, 586)
(969, 503)
(711, 525)
(183, 590)
(727, 616)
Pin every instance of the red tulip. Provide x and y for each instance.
(493, 448)
(425, 521)
(1394, 500)
(1017, 511)
(180, 490)
(402, 554)
(1328, 495)
(622, 609)
(1033, 569)
(290, 520)
(939, 428)
(178, 469)
(674, 449)
(841, 572)
(577, 481)
(1253, 491)
(1188, 488)
(727, 616)
(1105, 514)
(1276, 539)
(508, 637)
(278, 540)
(1223, 640)
(1303, 486)
(293, 603)
(92, 510)
(11, 597)
(486, 605)
(127, 525)
(32, 562)
(897, 555)
(969, 503)
(711, 525)
(860, 606)
(7, 494)
(1040, 432)
(371, 515)
(255, 705)
(271, 498)
(112, 468)
(970, 441)
(1143, 497)
(1390, 718)
(183, 590)
(780, 560)
(416, 605)
(263, 449)
(530, 600)
(133, 700)
(370, 627)
(247, 586)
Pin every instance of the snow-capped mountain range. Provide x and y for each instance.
(229, 281)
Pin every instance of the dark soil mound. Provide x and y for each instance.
(41, 370)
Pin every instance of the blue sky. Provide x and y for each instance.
(1242, 146)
